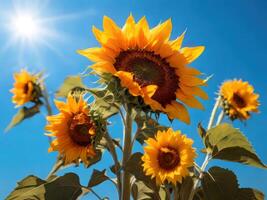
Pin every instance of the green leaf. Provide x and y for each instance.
(141, 192)
(219, 184)
(23, 114)
(97, 177)
(134, 166)
(185, 188)
(202, 132)
(146, 127)
(250, 194)
(70, 83)
(222, 184)
(32, 187)
(105, 103)
(228, 143)
(95, 159)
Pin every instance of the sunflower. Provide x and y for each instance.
(149, 64)
(74, 131)
(168, 156)
(25, 87)
(239, 99)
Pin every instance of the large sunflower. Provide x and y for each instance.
(74, 131)
(24, 87)
(168, 156)
(239, 99)
(149, 64)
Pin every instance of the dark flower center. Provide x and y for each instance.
(27, 87)
(168, 158)
(150, 69)
(240, 102)
(79, 129)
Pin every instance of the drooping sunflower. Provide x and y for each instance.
(25, 87)
(168, 156)
(149, 64)
(239, 99)
(74, 130)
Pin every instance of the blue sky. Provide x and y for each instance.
(234, 33)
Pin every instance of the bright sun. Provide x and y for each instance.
(25, 26)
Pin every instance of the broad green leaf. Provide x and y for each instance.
(222, 184)
(32, 187)
(219, 184)
(105, 103)
(134, 166)
(185, 188)
(228, 143)
(95, 159)
(146, 127)
(22, 114)
(141, 192)
(250, 194)
(202, 132)
(97, 178)
(69, 84)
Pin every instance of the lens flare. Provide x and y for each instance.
(25, 26)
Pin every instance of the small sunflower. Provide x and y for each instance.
(26, 88)
(74, 130)
(239, 99)
(168, 156)
(149, 64)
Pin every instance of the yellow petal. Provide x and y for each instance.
(110, 26)
(177, 110)
(127, 81)
(177, 43)
(98, 54)
(190, 101)
(192, 53)
(104, 67)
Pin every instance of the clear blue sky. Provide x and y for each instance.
(234, 33)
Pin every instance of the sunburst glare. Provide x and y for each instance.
(25, 26)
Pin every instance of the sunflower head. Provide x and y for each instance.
(149, 65)
(26, 88)
(75, 131)
(239, 99)
(168, 157)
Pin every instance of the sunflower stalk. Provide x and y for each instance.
(126, 189)
(55, 168)
(113, 153)
(207, 157)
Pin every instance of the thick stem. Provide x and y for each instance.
(213, 112)
(207, 158)
(220, 117)
(55, 168)
(127, 153)
(113, 153)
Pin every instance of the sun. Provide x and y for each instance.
(25, 26)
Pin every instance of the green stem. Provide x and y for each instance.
(113, 153)
(55, 168)
(175, 193)
(126, 190)
(207, 158)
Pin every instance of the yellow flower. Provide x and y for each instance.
(168, 156)
(149, 64)
(239, 99)
(74, 131)
(24, 87)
